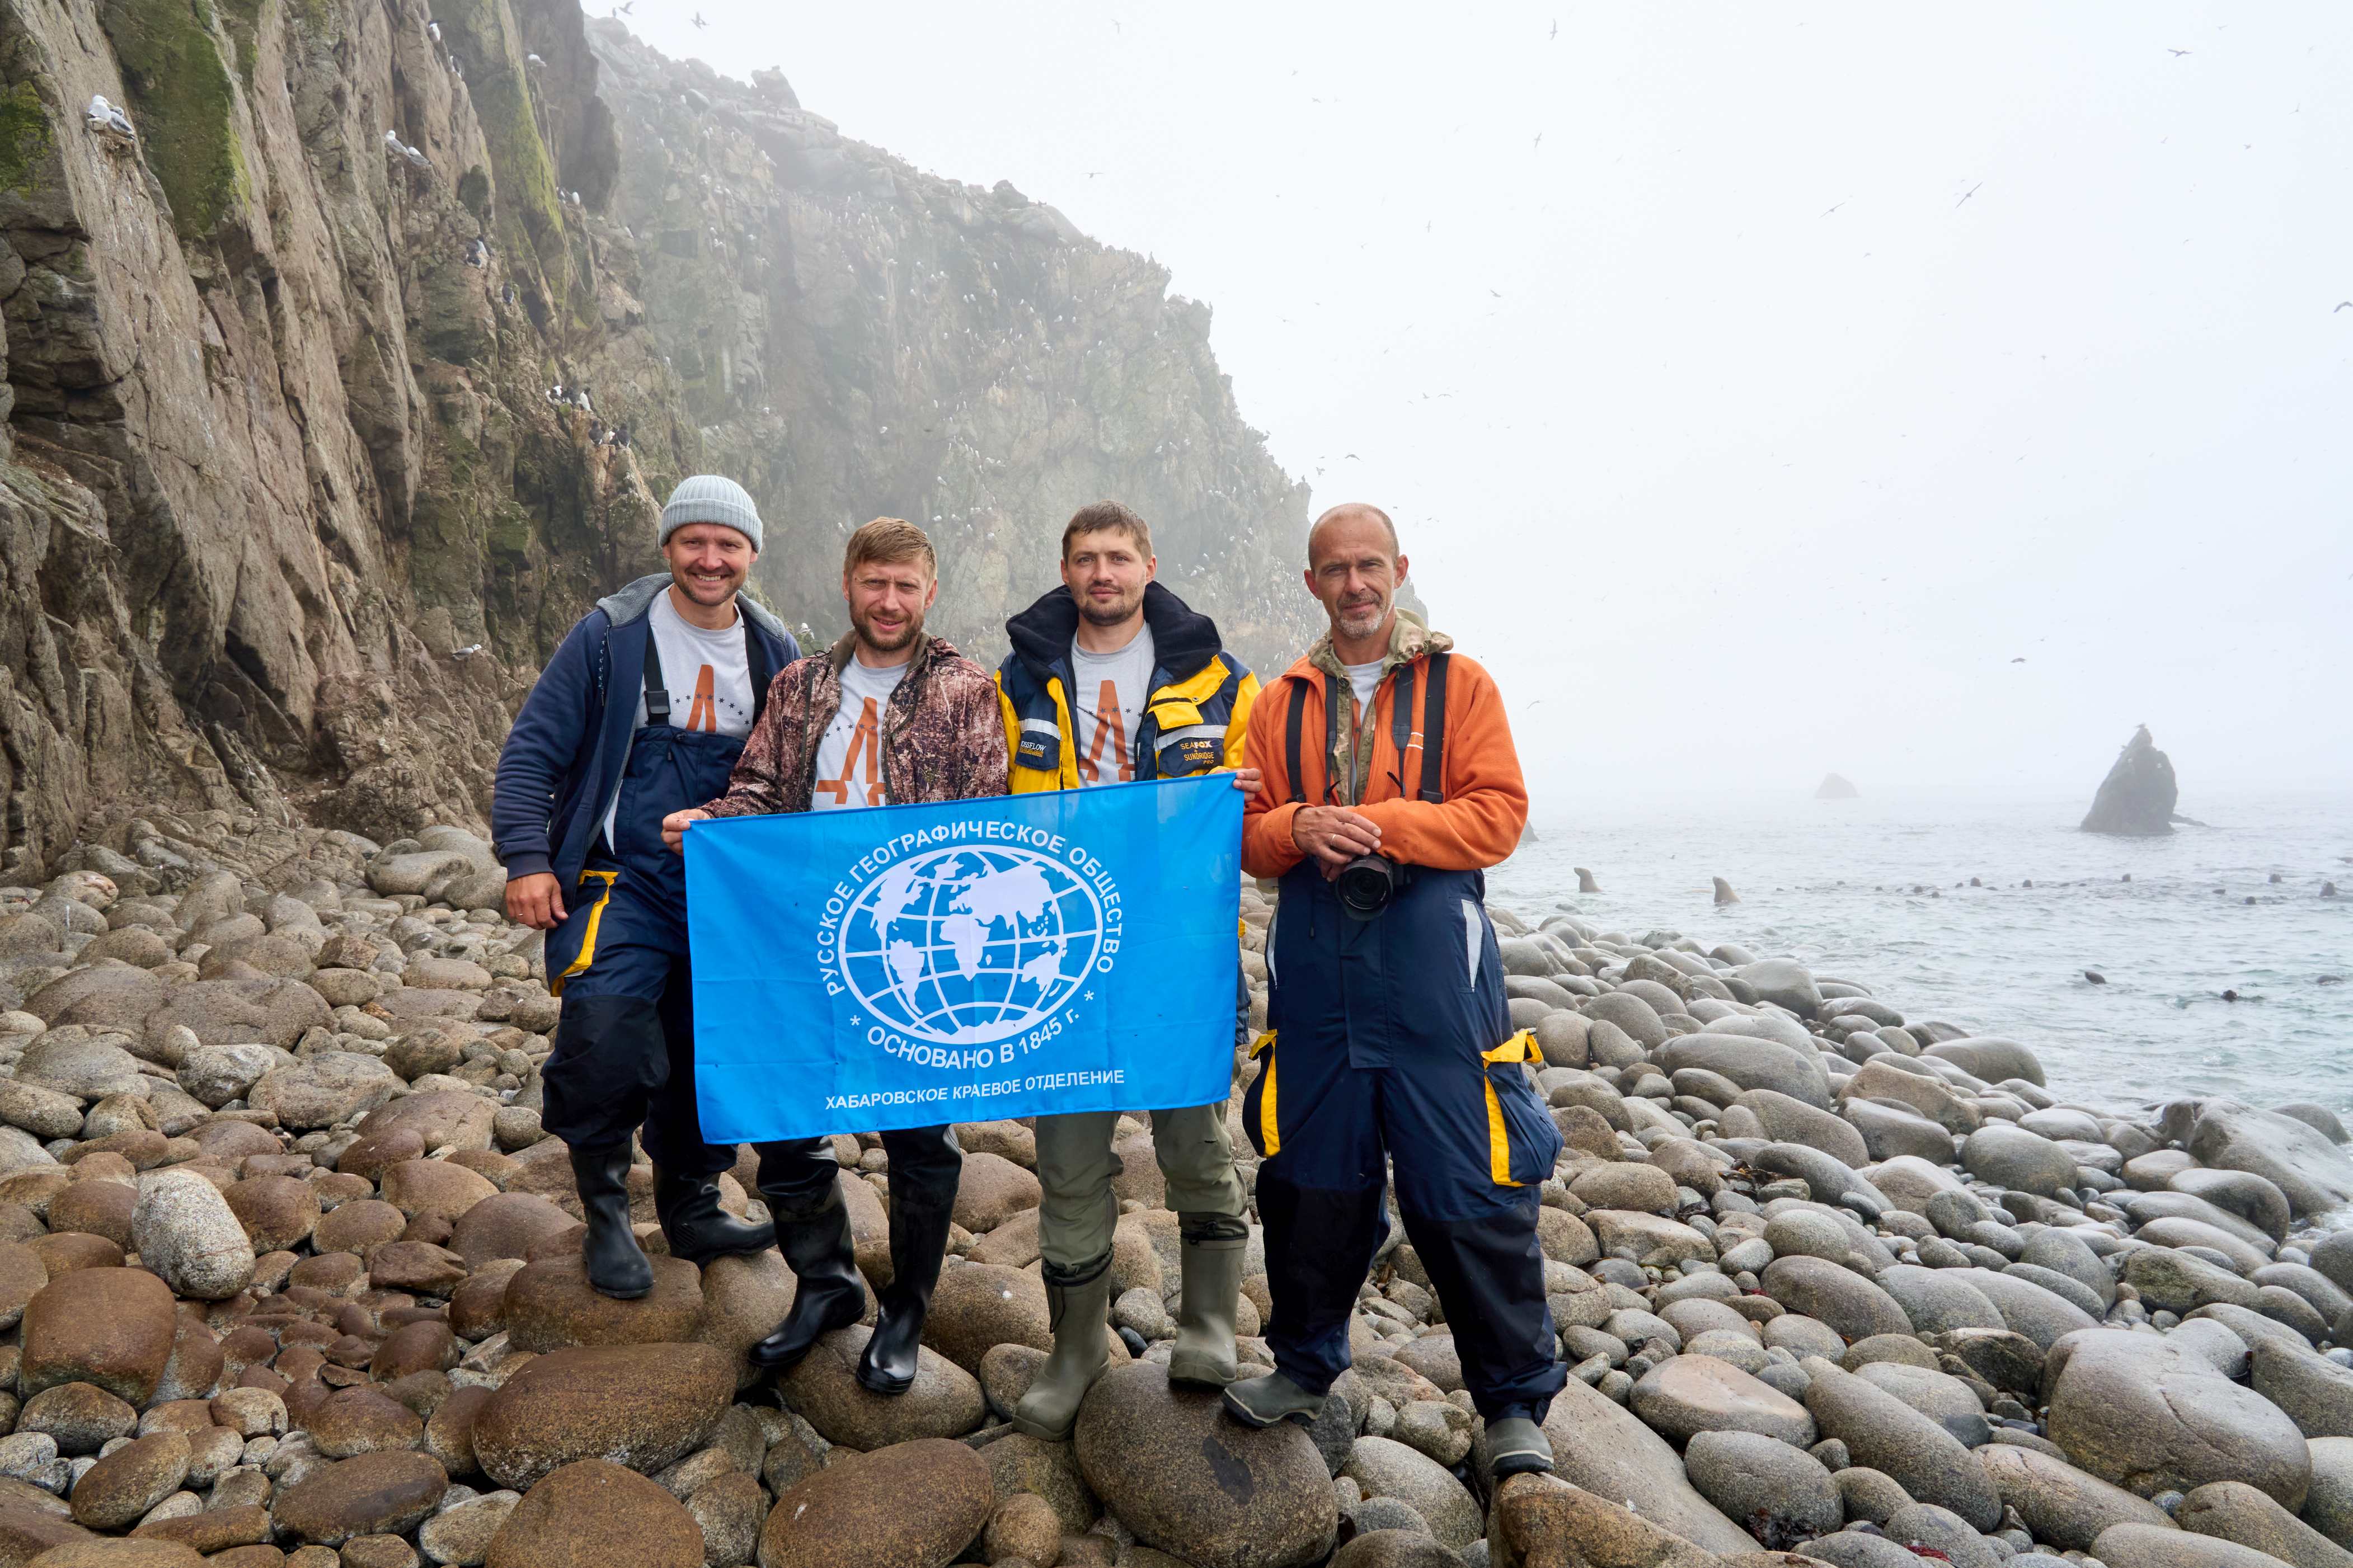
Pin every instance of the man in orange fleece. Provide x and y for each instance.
(1389, 784)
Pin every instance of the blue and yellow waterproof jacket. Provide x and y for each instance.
(1196, 718)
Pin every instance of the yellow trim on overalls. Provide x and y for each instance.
(1269, 1133)
(1499, 1144)
(588, 937)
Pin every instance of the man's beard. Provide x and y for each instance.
(1362, 621)
(1095, 614)
(899, 639)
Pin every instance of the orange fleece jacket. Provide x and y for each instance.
(1475, 827)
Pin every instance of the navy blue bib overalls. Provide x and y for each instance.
(624, 1052)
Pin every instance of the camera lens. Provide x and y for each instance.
(1363, 885)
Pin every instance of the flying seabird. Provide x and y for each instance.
(698, 21)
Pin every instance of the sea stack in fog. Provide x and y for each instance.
(1835, 786)
(2138, 795)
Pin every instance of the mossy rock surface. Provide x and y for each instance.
(183, 103)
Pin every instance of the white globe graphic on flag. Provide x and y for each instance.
(968, 946)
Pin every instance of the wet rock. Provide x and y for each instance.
(2232, 1510)
(2027, 1308)
(1752, 1064)
(2176, 1282)
(943, 1402)
(1602, 1448)
(1836, 1295)
(461, 1533)
(1687, 1395)
(1385, 1468)
(277, 1212)
(862, 1509)
(1780, 1494)
(2063, 1506)
(185, 1231)
(2146, 1546)
(575, 1516)
(990, 1190)
(2140, 1412)
(643, 1405)
(110, 1327)
(977, 1306)
(1882, 1432)
(2009, 1156)
(375, 1494)
(2313, 1173)
(1198, 1485)
(363, 1420)
(550, 1305)
(116, 1492)
(2316, 1393)
(505, 1224)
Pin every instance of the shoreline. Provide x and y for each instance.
(291, 1263)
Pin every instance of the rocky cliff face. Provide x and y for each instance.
(288, 515)
(2139, 793)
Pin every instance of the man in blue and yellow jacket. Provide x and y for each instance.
(1114, 679)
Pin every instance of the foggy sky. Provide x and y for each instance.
(1814, 365)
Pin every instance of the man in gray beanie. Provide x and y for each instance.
(641, 712)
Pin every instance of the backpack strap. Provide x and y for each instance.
(657, 696)
(1433, 732)
(1291, 738)
(755, 664)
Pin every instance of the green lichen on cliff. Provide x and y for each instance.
(23, 135)
(184, 103)
(483, 33)
(242, 20)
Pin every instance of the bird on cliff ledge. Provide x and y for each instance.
(109, 121)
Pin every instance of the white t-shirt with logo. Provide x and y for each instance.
(850, 752)
(1110, 693)
(1365, 679)
(706, 674)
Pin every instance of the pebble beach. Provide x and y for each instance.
(290, 1275)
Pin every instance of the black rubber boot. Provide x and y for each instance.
(697, 1228)
(918, 1239)
(617, 1264)
(829, 1294)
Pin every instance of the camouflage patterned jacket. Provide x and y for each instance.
(943, 737)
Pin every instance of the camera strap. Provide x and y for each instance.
(1433, 732)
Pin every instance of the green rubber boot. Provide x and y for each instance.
(1080, 1315)
(1205, 1315)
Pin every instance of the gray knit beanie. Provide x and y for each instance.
(708, 498)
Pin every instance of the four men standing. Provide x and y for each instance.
(1389, 784)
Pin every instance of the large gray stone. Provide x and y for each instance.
(1686, 1394)
(2063, 1506)
(186, 1233)
(2009, 1156)
(1883, 1433)
(1780, 1494)
(2141, 1412)
(1390, 1470)
(2314, 1173)
(1751, 1064)
(1601, 1447)
(1837, 1295)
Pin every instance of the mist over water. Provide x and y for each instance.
(1829, 882)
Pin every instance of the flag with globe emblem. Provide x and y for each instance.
(1015, 956)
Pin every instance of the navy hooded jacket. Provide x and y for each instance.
(562, 765)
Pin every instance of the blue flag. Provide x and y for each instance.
(903, 965)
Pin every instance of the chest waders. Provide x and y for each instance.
(624, 1051)
(1389, 1047)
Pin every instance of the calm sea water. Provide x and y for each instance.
(1829, 882)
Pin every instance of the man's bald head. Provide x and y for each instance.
(1350, 511)
(1354, 567)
